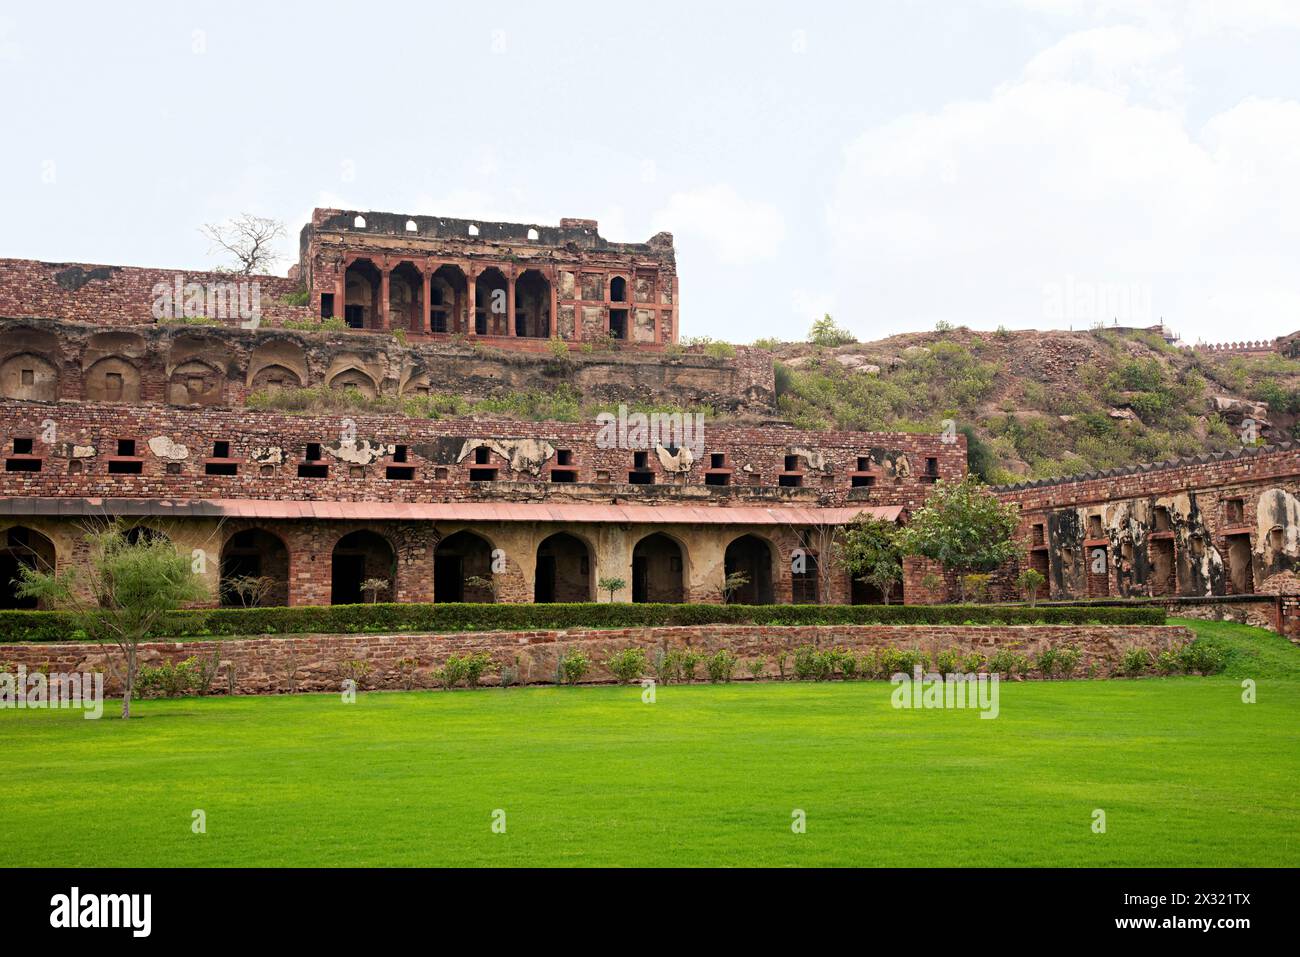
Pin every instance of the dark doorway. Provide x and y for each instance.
(22, 547)
(449, 578)
(462, 569)
(255, 570)
(360, 557)
(658, 570)
(563, 570)
(1240, 574)
(751, 557)
(347, 574)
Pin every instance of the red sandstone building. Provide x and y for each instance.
(109, 410)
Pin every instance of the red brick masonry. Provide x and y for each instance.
(317, 662)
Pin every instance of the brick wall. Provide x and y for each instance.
(117, 295)
(1219, 524)
(315, 662)
(174, 446)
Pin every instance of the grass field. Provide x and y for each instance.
(708, 775)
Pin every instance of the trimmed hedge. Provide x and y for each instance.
(16, 626)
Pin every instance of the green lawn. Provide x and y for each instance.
(1186, 773)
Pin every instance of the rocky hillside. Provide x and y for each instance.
(1041, 404)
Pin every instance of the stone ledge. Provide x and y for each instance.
(276, 665)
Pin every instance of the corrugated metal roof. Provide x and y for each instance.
(448, 511)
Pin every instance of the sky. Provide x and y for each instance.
(897, 163)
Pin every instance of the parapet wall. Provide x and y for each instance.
(320, 662)
(121, 295)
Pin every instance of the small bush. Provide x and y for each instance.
(720, 666)
(627, 665)
(1067, 660)
(667, 665)
(690, 660)
(452, 672)
(1136, 661)
(573, 666)
(1202, 658)
(810, 664)
(756, 667)
(948, 662)
(1046, 662)
(170, 679)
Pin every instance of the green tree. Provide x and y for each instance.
(964, 527)
(868, 549)
(611, 585)
(1030, 581)
(824, 332)
(123, 590)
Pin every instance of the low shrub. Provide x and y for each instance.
(811, 664)
(667, 665)
(627, 665)
(1169, 662)
(721, 665)
(1136, 661)
(948, 662)
(572, 668)
(1067, 660)
(171, 679)
(1202, 658)
(690, 660)
(51, 626)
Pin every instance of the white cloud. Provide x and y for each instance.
(737, 230)
(1078, 172)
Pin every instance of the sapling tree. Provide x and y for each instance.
(121, 593)
(611, 585)
(964, 527)
(732, 584)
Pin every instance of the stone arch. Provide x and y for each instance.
(276, 377)
(460, 557)
(142, 533)
(356, 558)
(618, 289)
(405, 298)
(29, 377)
(253, 554)
(362, 285)
(533, 305)
(415, 381)
(112, 379)
(566, 570)
(279, 361)
(353, 377)
(22, 547)
(196, 382)
(659, 571)
(755, 557)
(491, 295)
(448, 295)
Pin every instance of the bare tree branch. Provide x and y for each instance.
(249, 240)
